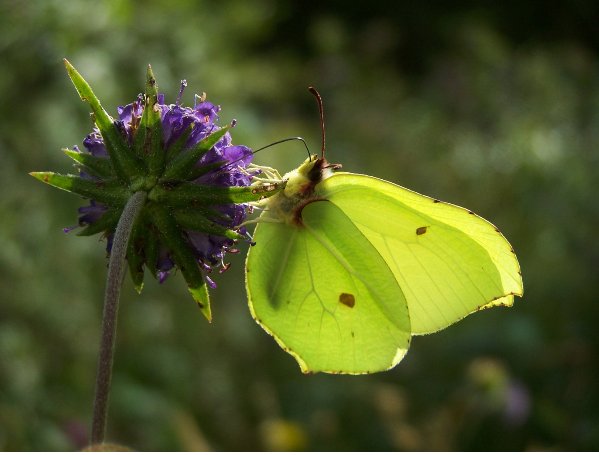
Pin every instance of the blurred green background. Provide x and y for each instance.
(490, 105)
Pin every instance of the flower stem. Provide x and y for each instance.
(114, 281)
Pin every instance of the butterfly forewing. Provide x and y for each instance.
(448, 261)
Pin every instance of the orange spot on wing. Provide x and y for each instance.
(347, 299)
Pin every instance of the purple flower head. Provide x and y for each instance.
(199, 122)
(196, 186)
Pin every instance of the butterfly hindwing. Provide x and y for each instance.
(325, 293)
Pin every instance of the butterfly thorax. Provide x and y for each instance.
(300, 190)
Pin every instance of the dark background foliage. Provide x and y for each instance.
(491, 105)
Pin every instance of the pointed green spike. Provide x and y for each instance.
(98, 166)
(142, 140)
(175, 240)
(108, 192)
(190, 194)
(202, 297)
(125, 164)
(181, 166)
(153, 153)
(177, 147)
(194, 220)
(198, 171)
(151, 250)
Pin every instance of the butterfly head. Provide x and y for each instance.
(302, 181)
(300, 190)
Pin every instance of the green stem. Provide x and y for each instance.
(114, 281)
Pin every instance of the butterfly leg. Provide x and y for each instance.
(269, 172)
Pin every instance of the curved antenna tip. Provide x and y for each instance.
(314, 92)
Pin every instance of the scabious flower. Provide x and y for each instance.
(197, 183)
(197, 122)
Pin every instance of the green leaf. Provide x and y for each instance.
(98, 166)
(125, 164)
(110, 192)
(190, 194)
(177, 242)
(181, 166)
(195, 220)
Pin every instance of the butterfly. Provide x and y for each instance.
(346, 268)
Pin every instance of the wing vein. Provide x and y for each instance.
(284, 264)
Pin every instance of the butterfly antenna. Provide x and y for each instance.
(284, 140)
(314, 92)
(301, 139)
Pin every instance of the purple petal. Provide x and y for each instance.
(210, 282)
(94, 144)
(240, 154)
(89, 214)
(207, 111)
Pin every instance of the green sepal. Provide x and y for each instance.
(180, 167)
(149, 118)
(107, 222)
(196, 221)
(189, 194)
(152, 124)
(201, 294)
(211, 214)
(152, 249)
(125, 164)
(177, 147)
(141, 140)
(198, 171)
(107, 192)
(96, 165)
(135, 253)
(175, 240)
